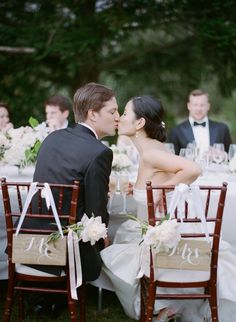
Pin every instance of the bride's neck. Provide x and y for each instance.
(140, 141)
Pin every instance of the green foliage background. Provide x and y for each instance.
(164, 48)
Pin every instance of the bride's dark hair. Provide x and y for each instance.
(152, 111)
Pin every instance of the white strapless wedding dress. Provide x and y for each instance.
(122, 264)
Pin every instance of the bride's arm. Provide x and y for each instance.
(177, 169)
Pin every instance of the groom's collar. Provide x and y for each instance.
(89, 127)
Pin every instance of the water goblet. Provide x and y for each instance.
(124, 188)
(182, 152)
(219, 156)
(189, 153)
(112, 190)
(170, 147)
(232, 151)
(219, 146)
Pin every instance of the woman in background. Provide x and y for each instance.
(5, 123)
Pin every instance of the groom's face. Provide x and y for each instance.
(107, 119)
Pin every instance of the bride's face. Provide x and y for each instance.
(127, 124)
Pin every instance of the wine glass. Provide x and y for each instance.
(189, 153)
(218, 154)
(219, 146)
(218, 157)
(232, 151)
(124, 188)
(170, 147)
(112, 190)
(182, 152)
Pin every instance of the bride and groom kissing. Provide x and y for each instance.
(78, 154)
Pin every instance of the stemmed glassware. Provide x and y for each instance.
(218, 154)
(189, 153)
(112, 190)
(232, 151)
(124, 188)
(170, 147)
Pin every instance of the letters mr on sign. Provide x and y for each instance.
(187, 255)
(34, 249)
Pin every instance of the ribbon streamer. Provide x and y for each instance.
(74, 263)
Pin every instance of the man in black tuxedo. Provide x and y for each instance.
(77, 154)
(198, 127)
(57, 110)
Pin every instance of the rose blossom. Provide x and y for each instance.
(93, 230)
(164, 234)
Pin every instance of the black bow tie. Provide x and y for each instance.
(199, 124)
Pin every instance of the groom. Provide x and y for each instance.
(77, 154)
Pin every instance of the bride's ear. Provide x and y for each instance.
(140, 123)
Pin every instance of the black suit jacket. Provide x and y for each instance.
(182, 134)
(75, 154)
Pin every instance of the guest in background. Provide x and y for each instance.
(199, 127)
(5, 123)
(57, 109)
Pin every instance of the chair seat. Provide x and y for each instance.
(24, 269)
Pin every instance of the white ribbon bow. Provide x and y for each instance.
(192, 195)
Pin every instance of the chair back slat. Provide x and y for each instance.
(213, 216)
(38, 218)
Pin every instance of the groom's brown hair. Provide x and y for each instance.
(90, 96)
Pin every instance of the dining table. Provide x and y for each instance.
(214, 176)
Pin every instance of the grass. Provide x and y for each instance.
(111, 309)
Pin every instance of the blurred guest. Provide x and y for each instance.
(57, 109)
(5, 123)
(199, 127)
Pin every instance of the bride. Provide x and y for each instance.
(142, 122)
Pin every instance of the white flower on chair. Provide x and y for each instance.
(93, 229)
(88, 230)
(163, 236)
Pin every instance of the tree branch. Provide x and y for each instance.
(20, 50)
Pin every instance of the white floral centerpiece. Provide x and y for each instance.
(4, 144)
(121, 160)
(24, 143)
(232, 164)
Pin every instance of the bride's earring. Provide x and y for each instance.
(136, 133)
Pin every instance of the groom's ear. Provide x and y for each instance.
(91, 115)
(140, 123)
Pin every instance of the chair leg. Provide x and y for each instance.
(72, 305)
(82, 298)
(214, 309)
(9, 301)
(142, 297)
(21, 306)
(100, 299)
(150, 302)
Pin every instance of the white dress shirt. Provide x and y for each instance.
(89, 127)
(201, 134)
